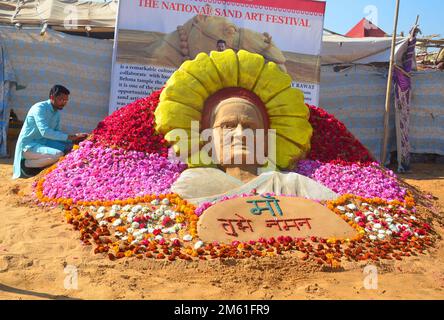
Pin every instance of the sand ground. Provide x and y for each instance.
(37, 247)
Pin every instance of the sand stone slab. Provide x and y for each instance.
(251, 218)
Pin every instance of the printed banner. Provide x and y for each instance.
(154, 37)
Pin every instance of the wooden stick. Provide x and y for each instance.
(389, 88)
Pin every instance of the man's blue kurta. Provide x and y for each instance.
(42, 124)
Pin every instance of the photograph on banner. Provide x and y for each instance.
(155, 37)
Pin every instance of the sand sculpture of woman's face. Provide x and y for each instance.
(235, 122)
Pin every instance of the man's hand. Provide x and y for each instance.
(78, 137)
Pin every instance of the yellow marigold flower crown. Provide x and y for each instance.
(186, 92)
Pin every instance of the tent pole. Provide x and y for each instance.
(389, 88)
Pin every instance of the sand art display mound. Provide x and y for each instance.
(115, 190)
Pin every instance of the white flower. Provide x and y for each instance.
(103, 223)
(198, 244)
(145, 209)
(130, 230)
(135, 242)
(123, 215)
(187, 237)
(143, 230)
(118, 234)
(101, 210)
(388, 232)
(370, 218)
(349, 215)
(381, 236)
(135, 210)
(169, 230)
(381, 231)
(376, 212)
(139, 237)
(357, 219)
(174, 214)
(155, 202)
(100, 216)
(340, 208)
(92, 208)
(388, 220)
(372, 237)
(351, 206)
(158, 237)
(163, 207)
(377, 226)
(364, 204)
(135, 225)
(165, 201)
(413, 218)
(127, 207)
(367, 213)
(124, 238)
(116, 207)
(112, 213)
(118, 222)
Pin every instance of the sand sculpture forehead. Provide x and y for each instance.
(235, 110)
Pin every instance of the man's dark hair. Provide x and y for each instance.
(58, 90)
(220, 41)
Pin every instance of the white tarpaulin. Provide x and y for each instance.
(343, 50)
(60, 13)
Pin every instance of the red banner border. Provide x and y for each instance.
(306, 6)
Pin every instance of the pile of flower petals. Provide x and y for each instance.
(132, 128)
(332, 141)
(96, 173)
(368, 181)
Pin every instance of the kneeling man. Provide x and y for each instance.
(41, 143)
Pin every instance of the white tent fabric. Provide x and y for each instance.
(343, 50)
(59, 13)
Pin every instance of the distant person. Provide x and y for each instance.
(221, 45)
(41, 143)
